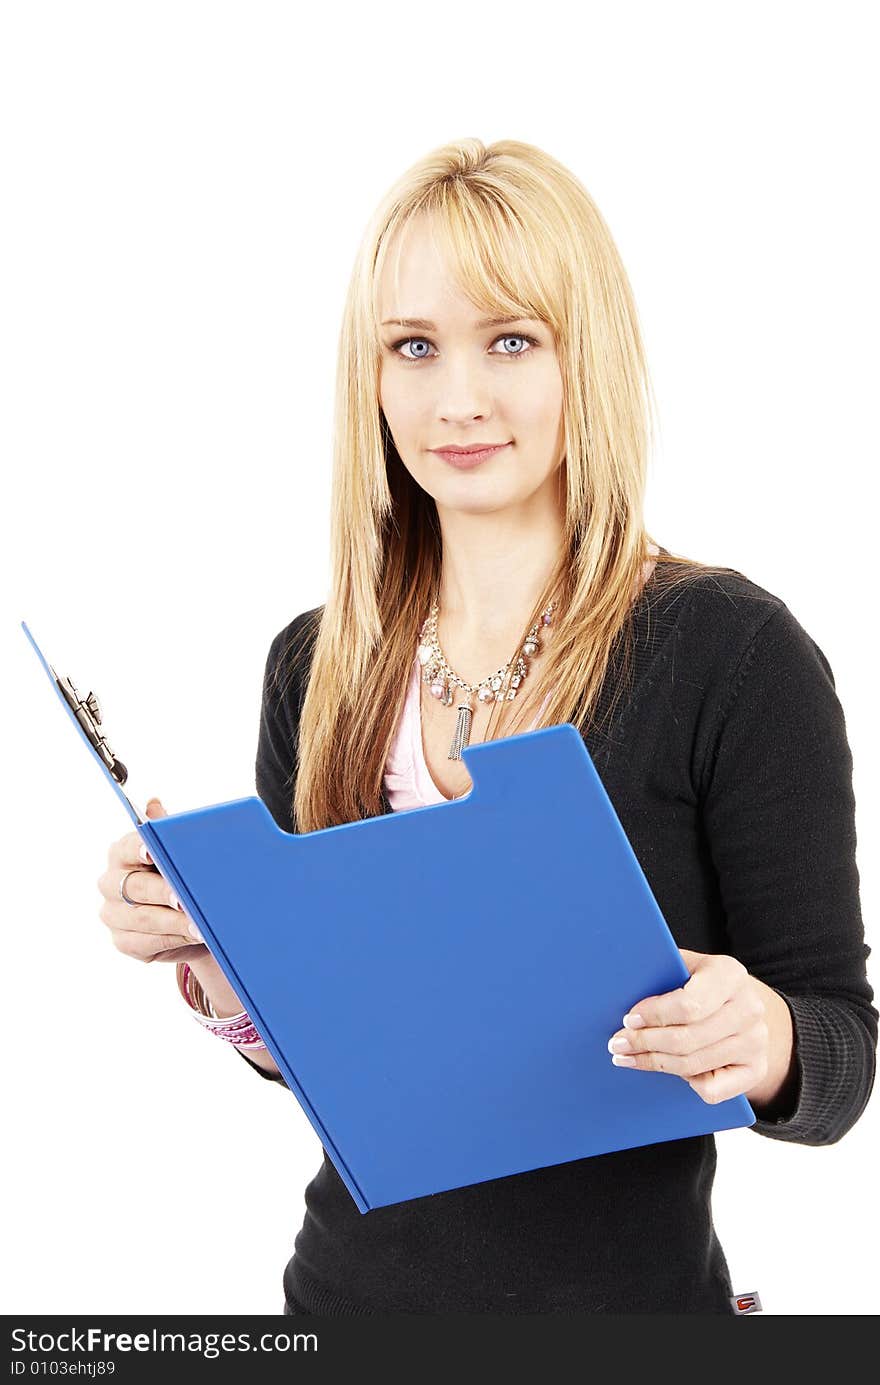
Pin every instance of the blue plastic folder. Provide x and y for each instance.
(438, 986)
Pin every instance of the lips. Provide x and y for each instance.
(463, 461)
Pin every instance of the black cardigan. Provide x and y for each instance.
(728, 765)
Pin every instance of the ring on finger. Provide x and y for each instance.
(122, 894)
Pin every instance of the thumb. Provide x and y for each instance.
(152, 809)
(692, 960)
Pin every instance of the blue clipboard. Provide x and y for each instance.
(438, 985)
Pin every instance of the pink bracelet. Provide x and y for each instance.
(235, 1029)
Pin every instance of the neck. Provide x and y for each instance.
(495, 567)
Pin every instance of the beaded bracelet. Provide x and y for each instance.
(235, 1029)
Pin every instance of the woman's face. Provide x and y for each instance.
(447, 380)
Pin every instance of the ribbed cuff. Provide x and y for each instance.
(836, 1063)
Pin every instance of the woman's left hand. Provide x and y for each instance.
(712, 1031)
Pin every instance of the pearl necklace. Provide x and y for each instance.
(501, 686)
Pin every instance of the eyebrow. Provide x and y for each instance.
(425, 326)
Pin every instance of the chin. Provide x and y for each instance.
(487, 504)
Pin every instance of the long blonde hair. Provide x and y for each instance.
(526, 239)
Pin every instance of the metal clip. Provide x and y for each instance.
(87, 711)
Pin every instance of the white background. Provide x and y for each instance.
(184, 186)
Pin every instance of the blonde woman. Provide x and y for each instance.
(491, 573)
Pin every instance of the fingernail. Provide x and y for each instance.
(620, 1060)
(194, 933)
(634, 1021)
(145, 855)
(619, 1046)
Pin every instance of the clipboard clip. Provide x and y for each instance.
(87, 711)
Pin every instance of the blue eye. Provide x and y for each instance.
(511, 355)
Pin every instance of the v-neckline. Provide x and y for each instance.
(641, 609)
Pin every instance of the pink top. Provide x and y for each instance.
(407, 781)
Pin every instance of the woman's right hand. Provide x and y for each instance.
(155, 930)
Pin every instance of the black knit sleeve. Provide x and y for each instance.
(276, 758)
(779, 812)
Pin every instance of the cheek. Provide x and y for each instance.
(553, 422)
(536, 395)
(396, 401)
(551, 394)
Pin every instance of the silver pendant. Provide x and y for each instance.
(462, 731)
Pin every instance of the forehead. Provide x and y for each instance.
(417, 278)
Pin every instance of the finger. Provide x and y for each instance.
(126, 852)
(143, 918)
(150, 947)
(681, 1039)
(147, 886)
(723, 1084)
(714, 980)
(143, 885)
(747, 1047)
(153, 809)
(132, 850)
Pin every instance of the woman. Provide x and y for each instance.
(479, 593)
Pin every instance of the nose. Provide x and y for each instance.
(458, 417)
(462, 396)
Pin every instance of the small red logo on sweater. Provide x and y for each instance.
(746, 1303)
